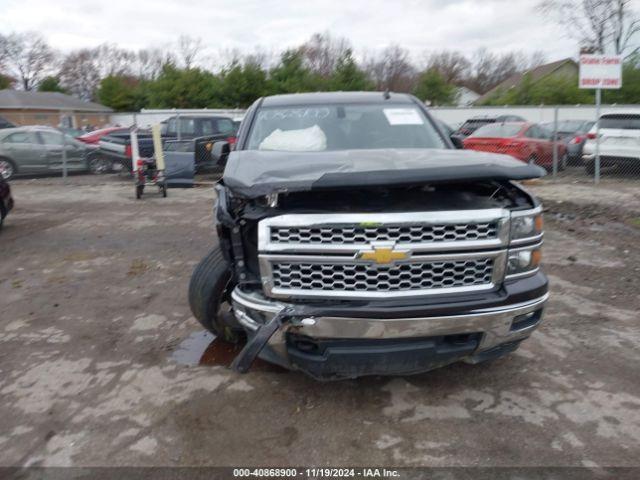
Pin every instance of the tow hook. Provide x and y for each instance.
(242, 363)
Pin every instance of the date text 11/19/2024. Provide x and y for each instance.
(316, 472)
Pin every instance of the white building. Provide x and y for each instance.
(465, 97)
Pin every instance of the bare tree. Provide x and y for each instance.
(392, 70)
(3, 50)
(28, 57)
(537, 58)
(82, 70)
(488, 69)
(265, 59)
(79, 73)
(451, 65)
(599, 25)
(322, 52)
(188, 49)
(113, 60)
(149, 62)
(625, 29)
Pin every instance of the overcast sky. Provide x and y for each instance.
(272, 25)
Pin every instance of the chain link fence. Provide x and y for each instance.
(601, 148)
(573, 143)
(570, 142)
(567, 141)
(183, 130)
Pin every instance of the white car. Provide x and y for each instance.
(619, 142)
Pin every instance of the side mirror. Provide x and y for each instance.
(457, 142)
(219, 152)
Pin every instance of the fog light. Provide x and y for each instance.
(526, 321)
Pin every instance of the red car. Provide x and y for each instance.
(527, 142)
(94, 137)
(6, 202)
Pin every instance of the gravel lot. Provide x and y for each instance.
(101, 362)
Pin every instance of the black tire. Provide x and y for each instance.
(98, 165)
(12, 164)
(209, 292)
(3, 214)
(139, 191)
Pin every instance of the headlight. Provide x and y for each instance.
(523, 260)
(525, 225)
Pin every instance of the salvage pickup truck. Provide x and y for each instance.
(353, 239)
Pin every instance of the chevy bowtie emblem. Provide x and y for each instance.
(383, 254)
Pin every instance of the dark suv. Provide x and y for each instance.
(353, 239)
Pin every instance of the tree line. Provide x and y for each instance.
(176, 78)
(183, 76)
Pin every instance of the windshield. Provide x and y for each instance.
(472, 125)
(498, 130)
(315, 128)
(625, 122)
(567, 126)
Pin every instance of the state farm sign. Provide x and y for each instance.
(600, 71)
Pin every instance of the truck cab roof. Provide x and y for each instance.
(324, 98)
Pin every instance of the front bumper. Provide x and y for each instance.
(609, 160)
(377, 339)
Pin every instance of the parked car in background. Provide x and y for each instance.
(35, 150)
(72, 132)
(115, 152)
(619, 142)
(185, 127)
(573, 133)
(525, 141)
(93, 138)
(449, 132)
(6, 201)
(4, 123)
(471, 125)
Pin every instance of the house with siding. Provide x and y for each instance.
(566, 68)
(51, 108)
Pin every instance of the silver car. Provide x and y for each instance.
(37, 150)
(573, 133)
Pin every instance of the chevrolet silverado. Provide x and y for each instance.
(353, 239)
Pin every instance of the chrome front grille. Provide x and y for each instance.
(382, 255)
(404, 277)
(394, 233)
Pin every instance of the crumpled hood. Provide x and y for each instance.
(253, 173)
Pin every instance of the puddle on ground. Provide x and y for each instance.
(202, 348)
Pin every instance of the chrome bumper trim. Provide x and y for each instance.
(493, 323)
